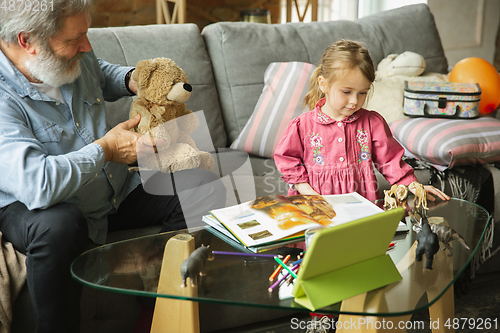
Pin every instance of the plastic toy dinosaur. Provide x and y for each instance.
(446, 235)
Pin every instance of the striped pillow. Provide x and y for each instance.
(285, 86)
(450, 142)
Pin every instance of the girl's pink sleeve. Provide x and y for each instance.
(388, 153)
(289, 153)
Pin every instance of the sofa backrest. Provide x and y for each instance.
(240, 52)
(180, 42)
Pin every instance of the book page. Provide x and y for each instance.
(315, 206)
(214, 223)
(274, 217)
(351, 206)
(265, 220)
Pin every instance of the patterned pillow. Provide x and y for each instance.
(285, 86)
(450, 142)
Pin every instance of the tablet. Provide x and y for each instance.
(346, 260)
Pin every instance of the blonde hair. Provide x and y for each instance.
(338, 57)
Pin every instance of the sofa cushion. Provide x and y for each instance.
(285, 86)
(179, 42)
(241, 51)
(448, 142)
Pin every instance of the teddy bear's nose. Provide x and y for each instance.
(188, 87)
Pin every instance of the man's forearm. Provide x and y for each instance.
(114, 80)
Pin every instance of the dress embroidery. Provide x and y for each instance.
(323, 118)
(362, 138)
(352, 117)
(317, 144)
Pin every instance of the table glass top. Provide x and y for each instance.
(133, 267)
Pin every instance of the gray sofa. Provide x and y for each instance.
(225, 64)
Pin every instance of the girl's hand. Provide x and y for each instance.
(432, 190)
(305, 189)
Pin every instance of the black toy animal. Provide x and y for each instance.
(428, 243)
(194, 264)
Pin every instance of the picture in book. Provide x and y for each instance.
(276, 217)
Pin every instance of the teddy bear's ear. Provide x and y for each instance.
(142, 73)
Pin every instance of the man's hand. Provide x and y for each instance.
(148, 145)
(132, 85)
(120, 143)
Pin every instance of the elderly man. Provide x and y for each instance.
(64, 177)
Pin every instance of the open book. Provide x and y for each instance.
(275, 218)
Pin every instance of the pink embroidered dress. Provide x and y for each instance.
(337, 157)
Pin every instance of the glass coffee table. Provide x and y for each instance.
(135, 267)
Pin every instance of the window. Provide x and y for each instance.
(330, 10)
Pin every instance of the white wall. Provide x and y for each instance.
(367, 7)
(468, 28)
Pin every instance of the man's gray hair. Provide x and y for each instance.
(42, 24)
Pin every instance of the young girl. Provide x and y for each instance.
(333, 148)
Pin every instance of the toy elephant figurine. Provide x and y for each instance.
(428, 244)
(420, 199)
(194, 264)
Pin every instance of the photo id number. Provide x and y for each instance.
(27, 5)
(472, 323)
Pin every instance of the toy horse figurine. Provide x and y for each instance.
(193, 266)
(428, 243)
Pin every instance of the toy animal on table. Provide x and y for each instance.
(420, 200)
(194, 264)
(389, 201)
(401, 194)
(428, 243)
(396, 196)
(446, 235)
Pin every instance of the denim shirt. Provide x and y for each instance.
(47, 147)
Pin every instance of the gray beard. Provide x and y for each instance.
(53, 70)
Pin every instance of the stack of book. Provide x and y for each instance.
(275, 220)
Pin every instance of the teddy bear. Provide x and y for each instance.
(162, 89)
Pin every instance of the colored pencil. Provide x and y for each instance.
(244, 254)
(278, 269)
(285, 267)
(277, 283)
(295, 269)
